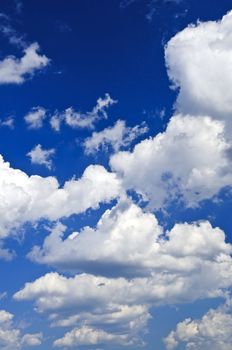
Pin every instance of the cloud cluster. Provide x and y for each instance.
(128, 263)
(211, 332)
(11, 338)
(131, 265)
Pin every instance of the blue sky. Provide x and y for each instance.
(115, 174)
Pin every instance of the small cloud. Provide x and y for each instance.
(15, 70)
(35, 117)
(41, 156)
(117, 137)
(76, 119)
(7, 122)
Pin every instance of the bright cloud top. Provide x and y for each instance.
(199, 61)
(188, 162)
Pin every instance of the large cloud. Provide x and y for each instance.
(29, 198)
(189, 161)
(128, 241)
(199, 61)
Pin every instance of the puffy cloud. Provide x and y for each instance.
(12, 338)
(117, 136)
(189, 262)
(29, 198)
(189, 162)
(41, 156)
(123, 242)
(199, 62)
(76, 119)
(211, 332)
(35, 117)
(15, 71)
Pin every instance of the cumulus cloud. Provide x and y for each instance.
(187, 162)
(117, 137)
(199, 269)
(41, 156)
(189, 262)
(199, 62)
(26, 198)
(76, 119)
(11, 338)
(211, 332)
(35, 117)
(16, 70)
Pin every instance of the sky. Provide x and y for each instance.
(115, 174)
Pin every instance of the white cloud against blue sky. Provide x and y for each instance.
(115, 227)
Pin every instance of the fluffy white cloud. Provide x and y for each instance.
(15, 71)
(211, 332)
(117, 136)
(12, 338)
(41, 156)
(189, 262)
(188, 162)
(28, 198)
(76, 119)
(199, 62)
(123, 242)
(35, 118)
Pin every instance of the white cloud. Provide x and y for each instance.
(76, 119)
(188, 162)
(26, 198)
(7, 122)
(11, 338)
(89, 336)
(199, 61)
(191, 261)
(41, 156)
(15, 71)
(117, 136)
(35, 117)
(211, 332)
